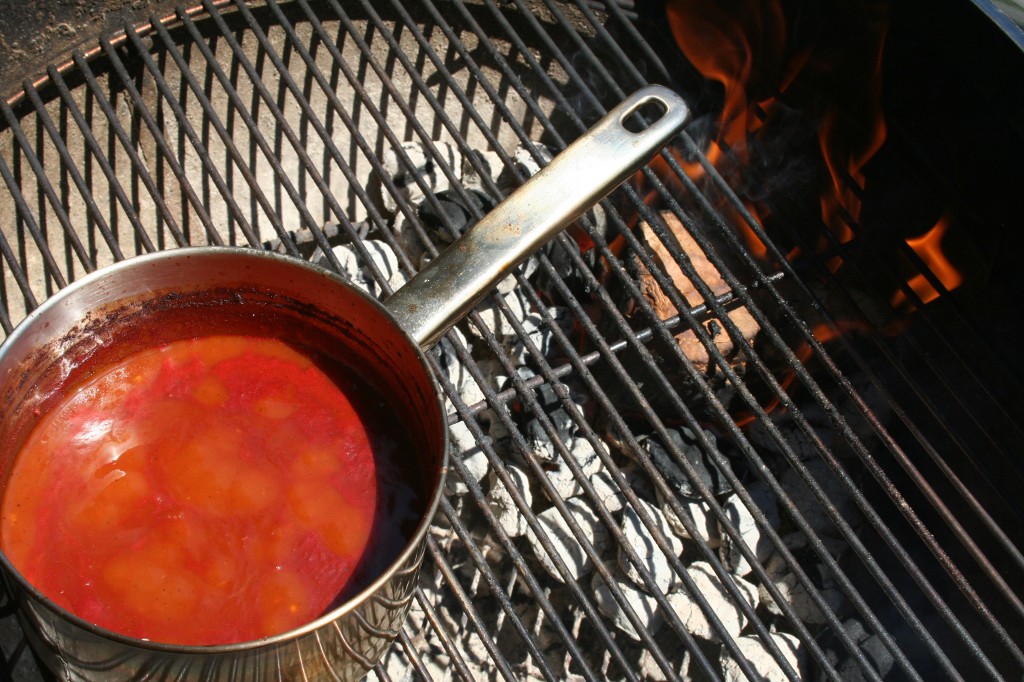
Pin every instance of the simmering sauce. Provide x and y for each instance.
(208, 491)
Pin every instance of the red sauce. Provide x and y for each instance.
(208, 491)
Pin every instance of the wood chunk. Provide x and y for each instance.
(659, 300)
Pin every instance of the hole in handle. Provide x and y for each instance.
(641, 118)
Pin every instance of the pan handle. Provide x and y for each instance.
(584, 173)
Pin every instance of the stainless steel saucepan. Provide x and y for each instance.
(192, 292)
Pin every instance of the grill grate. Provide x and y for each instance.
(270, 124)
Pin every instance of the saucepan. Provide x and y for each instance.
(188, 293)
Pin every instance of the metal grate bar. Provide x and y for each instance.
(166, 154)
(842, 251)
(25, 215)
(20, 278)
(165, 217)
(467, 605)
(967, 497)
(955, 573)
(76, 176)
(922, 531)
(519, 72)
(494, 586)
(123, 201)
(414, 657)
(663, 285)
(555, 500)
(453, 652)
(48, 190)
(222, 132)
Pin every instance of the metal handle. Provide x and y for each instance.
(584, 173)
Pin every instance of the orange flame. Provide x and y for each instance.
(835, 76)
(717, 41)
(753, 242)
(928, 247)
(742, 45)
(847, 150)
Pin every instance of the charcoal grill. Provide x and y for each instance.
(890, 543)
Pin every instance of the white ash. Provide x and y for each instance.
(650, 671)
(643, 606)
(472, 178)
(357, 271)
(699, 512)
(448, 359)
(761, 660)
(467, 449)
(720, 602)
(420, 165)
(471, 391)
(494, 320)
(526, 164)
(607, 492)
(496, 428)
(540, 333)
(560, 474)
(641, 539)
(564, 543)
(750, 533)
(796, 595)
(511, 519)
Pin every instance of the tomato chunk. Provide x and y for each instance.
(212, 490)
